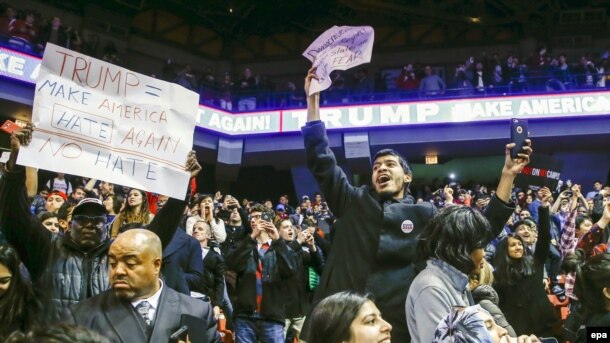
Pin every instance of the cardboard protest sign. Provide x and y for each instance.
(99, 120)
(339, 48)
(542, 171)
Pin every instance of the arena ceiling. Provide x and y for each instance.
(248, 30)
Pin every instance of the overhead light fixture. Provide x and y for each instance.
(475, 20)
(431, 159)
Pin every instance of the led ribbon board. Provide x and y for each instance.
(24, 67)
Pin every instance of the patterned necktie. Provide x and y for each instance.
(143, 309)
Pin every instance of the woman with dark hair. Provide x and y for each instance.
(113, 204)
(486, 296)
(135, 211)
(347, 317)
(206, 213)
(452, 247)
(518, 279)
(19, 306)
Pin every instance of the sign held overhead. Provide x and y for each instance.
(339, 48)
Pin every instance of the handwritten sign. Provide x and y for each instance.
(339, 48)
(99, 120)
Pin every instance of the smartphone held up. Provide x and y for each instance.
(518, 135)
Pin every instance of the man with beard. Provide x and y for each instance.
(139, 307)
(378, 227)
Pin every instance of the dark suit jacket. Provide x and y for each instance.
(213, 284)
(182, 267)
(119, 322)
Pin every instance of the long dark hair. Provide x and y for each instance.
(453, 235)
(201, 212)
(129, 216)
(510, 270)
(592, 276)
(331, 319)
(19, 307)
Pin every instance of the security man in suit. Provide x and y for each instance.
(139, 308)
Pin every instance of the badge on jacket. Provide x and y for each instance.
(407, 226)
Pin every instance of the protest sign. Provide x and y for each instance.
(339, 48)
(542, 171)
(99, 120)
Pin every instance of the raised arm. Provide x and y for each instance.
(562, 196)
(500, 208)
(168, 218)
(511, 169)
(313, 101)
(218, 230)
(21, 229)
(568, 232)
(544, 227)
(321, 161)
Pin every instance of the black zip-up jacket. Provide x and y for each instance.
(278, 266)
(298, 294)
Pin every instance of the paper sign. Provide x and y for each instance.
(5, 156)
(99, 120)
(339, 48)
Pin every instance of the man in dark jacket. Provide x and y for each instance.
(263, 263)
(212, 284)
(75, 266)
(298, 291)
(235, 229)
(377, 227)
(182, 267)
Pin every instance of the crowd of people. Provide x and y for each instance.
(29, 31)
(385, 262)
(391, 261)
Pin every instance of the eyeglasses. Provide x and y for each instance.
(97, 221)
(256, 217)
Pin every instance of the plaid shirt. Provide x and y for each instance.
(567, 245)
(591, 242)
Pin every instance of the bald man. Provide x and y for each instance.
(138, 308)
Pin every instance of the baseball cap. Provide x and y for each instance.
(89, 203)
(280, 207)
